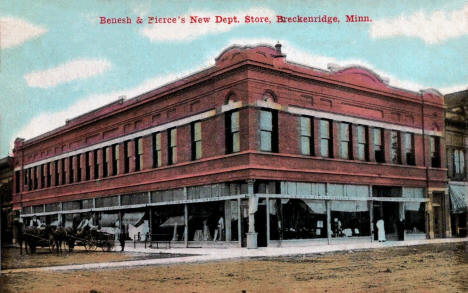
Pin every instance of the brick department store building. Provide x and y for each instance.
(254, 151)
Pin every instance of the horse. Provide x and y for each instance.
(70, 233)
(19, 234)
(60, 237)
(34, 236)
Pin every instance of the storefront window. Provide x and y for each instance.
(302, 219)
(414, 211)
(168, 223)
(208, 221)
(349, 218)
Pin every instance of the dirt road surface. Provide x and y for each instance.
(426, 268)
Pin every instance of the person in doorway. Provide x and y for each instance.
(206, 231)
(381, 230)
(35, 222)
(401, 229)
(117, 230)
(122, 238)
(220, 229)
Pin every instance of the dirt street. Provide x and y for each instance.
(427, 268)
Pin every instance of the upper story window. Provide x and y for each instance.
(105, 162)
(41, 172)
(71, 170)
(78, 167)
(62, 171)
(307, 142)
(96, 164)
(126, 156)
(17, 181)
(138, 154)
(346, 147)
(395, 147)
(87, 166)
(56, 172)
(232, 132)
(326, 139)
(378, 145)
(434, 149)
(458, 163)
(157, 155)
(48, 174)
(172, 146)
(268, 131)
(115, 159)
(196, 140)
(30, 184)
(409, 148)
(362, 153)
(25, 177)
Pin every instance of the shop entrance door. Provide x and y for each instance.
(437, 221)
(389, 212)
(260, 225)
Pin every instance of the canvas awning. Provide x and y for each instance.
(172, 221)
(458, 198)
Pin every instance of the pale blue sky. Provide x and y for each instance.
(57, 61)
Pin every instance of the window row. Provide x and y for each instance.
(400, 147)
(116, 159)
(353, 142)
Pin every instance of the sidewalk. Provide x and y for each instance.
(217, 254)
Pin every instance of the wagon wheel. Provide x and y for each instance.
(90, 244)
(107, 246)
(52, 245)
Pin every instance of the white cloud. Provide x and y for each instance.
(72, 70)
(15, 31)
(48, 121)
(188, 31)
(453, 89)
(433, 28)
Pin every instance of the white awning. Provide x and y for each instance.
(173, 221)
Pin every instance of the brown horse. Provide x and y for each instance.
(36, 236)
(60, 237)
(19, 232)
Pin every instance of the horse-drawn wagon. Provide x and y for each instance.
(55, 238)
(90, 240)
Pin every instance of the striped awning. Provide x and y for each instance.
(458, 198)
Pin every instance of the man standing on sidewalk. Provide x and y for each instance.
(122, 238)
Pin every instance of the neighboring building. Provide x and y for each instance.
(6, 183)
(456, 135)
(252, 151)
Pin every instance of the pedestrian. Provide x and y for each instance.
(122, 238)
(381, 230)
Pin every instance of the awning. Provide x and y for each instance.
(172, 221)
(458, 194)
